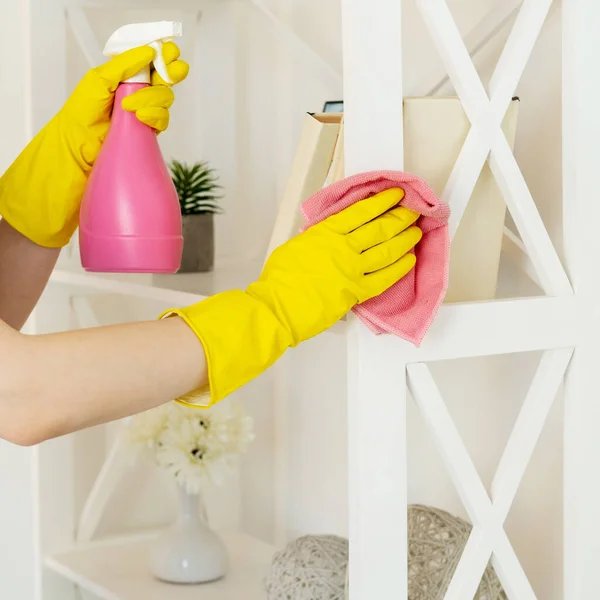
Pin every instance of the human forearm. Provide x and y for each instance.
(24, 271)
(58, 383)
(54, 384)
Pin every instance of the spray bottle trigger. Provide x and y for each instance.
(159, 62)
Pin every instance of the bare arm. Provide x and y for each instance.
(25, 269)
(58, 383)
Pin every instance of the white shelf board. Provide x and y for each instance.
(181, 289)
(119, 570)
(178, 289)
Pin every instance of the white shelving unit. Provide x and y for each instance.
(383, 372)
(118, 570)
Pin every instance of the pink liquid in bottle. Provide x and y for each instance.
(130, 219)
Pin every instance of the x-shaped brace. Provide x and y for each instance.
(486, 137)
(488, 516)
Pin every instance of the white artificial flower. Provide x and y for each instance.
(195, 445)
(185, 452)
(201, 419)
(233, 430)
(145, 428)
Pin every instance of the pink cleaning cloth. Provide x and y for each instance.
(408, 308)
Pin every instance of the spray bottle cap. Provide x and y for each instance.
(144, 34)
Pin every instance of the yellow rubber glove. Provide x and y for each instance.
(41, 192)
(307, 285)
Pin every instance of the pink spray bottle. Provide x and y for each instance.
(130, 219)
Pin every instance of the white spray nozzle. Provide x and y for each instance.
(144, 34)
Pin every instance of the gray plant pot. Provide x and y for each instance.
(198, 243)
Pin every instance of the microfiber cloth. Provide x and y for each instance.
(408, 308)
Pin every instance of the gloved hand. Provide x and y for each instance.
(307, 285)
(41, 192)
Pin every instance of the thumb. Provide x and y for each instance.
(126, 65)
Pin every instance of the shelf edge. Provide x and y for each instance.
(124, 288)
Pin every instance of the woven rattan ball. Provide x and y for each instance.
(315, 567)
(436, 541)
(312, 567)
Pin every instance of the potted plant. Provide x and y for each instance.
(198, 191)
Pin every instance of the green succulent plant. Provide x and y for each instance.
(197, 188)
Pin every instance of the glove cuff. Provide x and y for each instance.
(41, 200)
(241, 338)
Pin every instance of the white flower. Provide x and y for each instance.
(145, 428)
(185, 451)
(195, 445)
(233, 430)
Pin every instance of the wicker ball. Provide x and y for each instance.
(315, 567)
(312, 567)
(436, 541)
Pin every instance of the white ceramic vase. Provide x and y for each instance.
(189, 552)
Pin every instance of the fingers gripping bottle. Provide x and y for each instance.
(130, 220)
